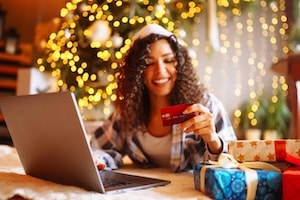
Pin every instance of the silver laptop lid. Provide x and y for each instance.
(50, 138)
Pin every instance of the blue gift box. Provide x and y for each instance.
(220, 183)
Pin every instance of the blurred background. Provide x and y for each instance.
(242, 51)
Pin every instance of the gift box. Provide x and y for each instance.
(264, 150)
(221, 183)
(291, 184)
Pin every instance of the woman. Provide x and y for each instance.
(157, 72)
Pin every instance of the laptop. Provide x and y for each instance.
(49, 135)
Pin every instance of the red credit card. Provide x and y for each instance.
(173, 114)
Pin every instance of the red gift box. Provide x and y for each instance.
(291, 183)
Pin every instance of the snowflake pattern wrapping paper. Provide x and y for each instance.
(264, 150)
(225, 184)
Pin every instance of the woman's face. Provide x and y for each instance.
(160, 73)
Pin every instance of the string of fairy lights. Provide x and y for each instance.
(273, 33)
(250, 44)
(110, 44)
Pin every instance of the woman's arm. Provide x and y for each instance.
(107, 144)
(211, 123)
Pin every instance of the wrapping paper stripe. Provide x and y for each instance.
(291, 159)
(280, 149)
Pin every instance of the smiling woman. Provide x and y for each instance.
(157, 72)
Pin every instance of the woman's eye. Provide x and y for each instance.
(171, 60)
(149, 64)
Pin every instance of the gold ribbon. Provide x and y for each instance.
(227, 161)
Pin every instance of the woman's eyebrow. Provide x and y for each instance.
(168, 54)
(163, 55)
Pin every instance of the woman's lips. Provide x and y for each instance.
(161, 81)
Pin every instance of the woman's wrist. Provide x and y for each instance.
(215, 145)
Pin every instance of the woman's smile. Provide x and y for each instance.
(160, 73)
(161, 81)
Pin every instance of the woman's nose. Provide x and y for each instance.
(160, 67)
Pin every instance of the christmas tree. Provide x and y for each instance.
(94, 35)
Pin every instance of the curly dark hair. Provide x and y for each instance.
(133, 101)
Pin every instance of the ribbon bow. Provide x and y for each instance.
(227, 161)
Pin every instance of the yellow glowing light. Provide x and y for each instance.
(113, 97)
(184, 15)
(179, 5)
(223, 50)
(250, 29)
(110, 77)
(253, 122)
(60, 83)
(99, 13)
(93, 77)
(64, 12)
(95, 44)
(41, 68)
(110, 18)
(114, 65)
(65, 61)
(273, 40)
(236, 11)
(251, 82)
(250, 115)
(251, 61)
(237, 92)
(119, 3)
(118, 55)
(80, 71)
(104, 55)
(53, 65)
(148, 18)
(105, 7)
(92, 18)
(237, 113)
(39, 61)
(91, 90)
(282, 31)
(116, 24)
(124, 20)
(85, 76)
(108, 44)
(132, 21)
(252, 95)
(141, 20)
(52, 36)
(85, 14)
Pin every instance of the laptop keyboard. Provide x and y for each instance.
(107, 182)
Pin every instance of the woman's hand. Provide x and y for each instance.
(99, 162)
(202, 124)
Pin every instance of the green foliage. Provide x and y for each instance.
(278, 115)
(253, 114)
(267, 113)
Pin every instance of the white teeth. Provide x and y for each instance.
(159, 81)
